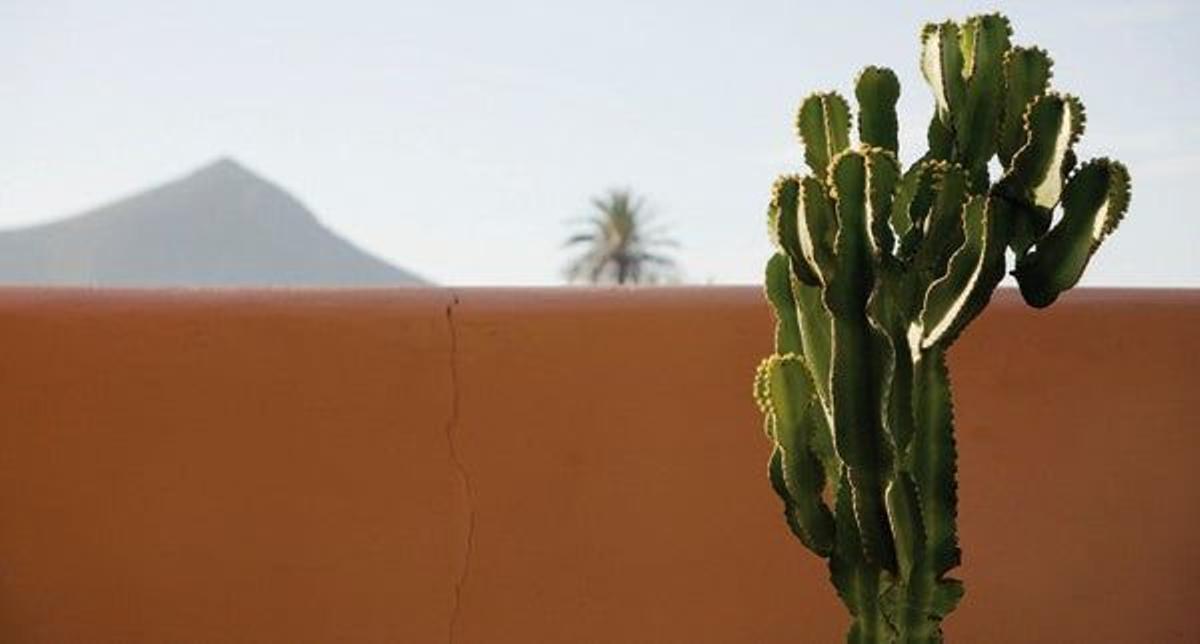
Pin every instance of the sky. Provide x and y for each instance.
(459, 139)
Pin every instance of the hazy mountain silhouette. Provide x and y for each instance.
(222, 225)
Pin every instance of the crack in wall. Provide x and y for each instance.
(459, 467)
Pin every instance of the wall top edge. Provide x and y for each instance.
(498, 298)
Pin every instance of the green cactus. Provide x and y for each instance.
(878, 270)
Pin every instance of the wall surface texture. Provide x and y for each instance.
(525, 466)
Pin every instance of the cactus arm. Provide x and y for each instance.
(775, 465)
(824, 127)
(887, 311)
(913, 199)
(974, 271)
(791, 396)
(942, 232)
(877, 91)
(858, 433)
(791, 512)
(814, 234)
(984, 40)
(942, 67)
(1027, 74)
(811, 537)
(884, 311)
(816, 336)
(1033, 182)
(785, 222)
(775, 475)
(1055, 123)
(1094, 202)
(817, 231)
(817, 227)
(780, 292)
(783, 305)
(883, 176)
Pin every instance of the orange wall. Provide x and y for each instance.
(551, 466)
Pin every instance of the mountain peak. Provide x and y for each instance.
(225, 170)
(224, 164)
(220, 225)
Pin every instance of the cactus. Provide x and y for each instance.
(878, 270)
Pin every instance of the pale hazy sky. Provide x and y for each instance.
(458, 138)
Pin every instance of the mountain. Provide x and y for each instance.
(221, 225)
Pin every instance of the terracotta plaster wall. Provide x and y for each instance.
(524, 466)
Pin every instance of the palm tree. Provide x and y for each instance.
(620, 244)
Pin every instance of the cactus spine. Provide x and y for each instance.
(878, 270)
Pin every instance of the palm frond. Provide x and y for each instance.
(619, 243)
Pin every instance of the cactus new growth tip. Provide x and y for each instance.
(878, 270)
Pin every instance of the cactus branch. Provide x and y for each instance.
(1027, 72)
(1094, 202)
(877, 91)
(824, 126)
(984, 41)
